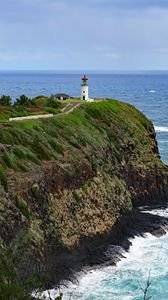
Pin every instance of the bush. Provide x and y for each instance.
(25, 154)
(8, 160)
(21, 204)
(85, 188)
(19, 152)
(12, 287)
(23, 100)
(57, 147)
(36, 191)
(6, 100)
(76, 197)
(3, 180)
(53, 103)
(41, 150)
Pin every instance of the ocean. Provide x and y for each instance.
(148, 256)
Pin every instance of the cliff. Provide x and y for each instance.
(67, 182)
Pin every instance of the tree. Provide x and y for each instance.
(12, 287)
(145, 289)
(23, 100)
(5, 100)
(52, 102)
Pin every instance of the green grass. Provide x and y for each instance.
(21, 204)
(93, 127)
(50, 110)
(41, 106)
(41, 101)
(3, 179)
(71, 100)
(4, 117)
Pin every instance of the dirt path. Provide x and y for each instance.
(67, 109)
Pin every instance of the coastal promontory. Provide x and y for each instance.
(66, 182)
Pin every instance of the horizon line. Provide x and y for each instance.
(83, 71)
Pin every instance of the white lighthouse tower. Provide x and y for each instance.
(84, 88)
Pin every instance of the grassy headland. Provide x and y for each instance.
(71, 178)
(92, 126)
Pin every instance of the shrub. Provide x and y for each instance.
(19, 152)
(12, 287)
(25, 154)
(40, 150)
(36, 191)
(9, 161)
(30, 156)
(53, 103)
(6, 100)
(21, 166)
(85, 188)
(56, 146)
(3, 179)
(23, 100)
(76, 197)
(21, 204)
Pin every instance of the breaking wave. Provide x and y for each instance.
(161, 129)
(148, 256)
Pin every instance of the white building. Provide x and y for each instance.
(85, 90)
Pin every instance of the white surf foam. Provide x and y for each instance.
(162, 212)
(161, 129)
(152, 91)
(147, 254)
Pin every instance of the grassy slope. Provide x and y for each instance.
(92, 126)
(12, 112)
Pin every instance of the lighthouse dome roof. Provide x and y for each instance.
(84, 77)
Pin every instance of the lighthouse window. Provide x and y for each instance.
(84, 92)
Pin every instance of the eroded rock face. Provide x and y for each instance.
(77, 202)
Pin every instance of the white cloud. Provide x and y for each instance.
(86, 34)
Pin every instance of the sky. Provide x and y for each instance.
(84, 35)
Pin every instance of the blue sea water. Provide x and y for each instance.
(149, 93)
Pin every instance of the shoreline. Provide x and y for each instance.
(108, 250)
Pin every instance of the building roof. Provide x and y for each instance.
(84, 78)
(62, 95)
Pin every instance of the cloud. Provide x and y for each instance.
(89, 34)
(121, 4)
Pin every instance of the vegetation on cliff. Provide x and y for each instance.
(93, 126)
(24, 106)
(71, 178)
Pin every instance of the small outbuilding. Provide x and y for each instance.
(62, 96)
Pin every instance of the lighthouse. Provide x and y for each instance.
(84, 88)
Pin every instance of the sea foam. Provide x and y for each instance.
(147, 257)
(161, 129)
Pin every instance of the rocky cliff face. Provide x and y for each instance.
(107, 163)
